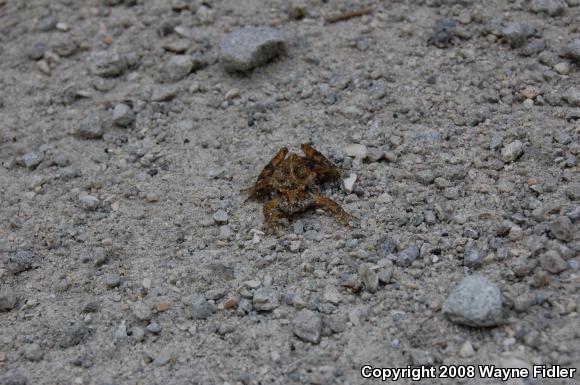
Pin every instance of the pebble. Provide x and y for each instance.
(369, 278)
(123, 115)
(225, 232)
(472, 257)
(74, 335)
(164, 93)
(474, 302)
(220, 217)
(563, 68)
(201, 308)
(331, 295)
(561, 228)
(121, 332)
(19, 262)
(552, 262)
(466, 350)
(250, 47)
(572, 50)
(137, 333)
(265, 299)
(307, 326)
(443, 32)
(89, 202)
(33, 352)
(46, 23)
(90, 305)
(572, 96)
(154, 328)
(408, 256)
(425, 177)
(178, 67)
(516, 34)
(386, 246)
(573, 192)
(162, 358)
(8, 300)
(91, 127)
(36, 52)
(356, 150)
(142, 311)
(107, 64)
(512, 151)
(551, 7)
(348, 183)
(32, 159)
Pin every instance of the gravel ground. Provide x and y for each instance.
(128, 254)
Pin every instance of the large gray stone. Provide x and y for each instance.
(250, 47)
(475, 302)
(307, 326)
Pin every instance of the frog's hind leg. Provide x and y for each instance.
(325, 170)
(260, 189)
(334, 208)
(273, 216)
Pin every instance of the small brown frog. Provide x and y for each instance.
(290, 185)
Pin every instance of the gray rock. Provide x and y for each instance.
(443, 32)
(33, 352)
(551, 7)
(512, 151)
(250, 47)
(572, 96)
(425, 177)
(19, 262)
(265, 299)
(472, 257)
(178, 67)
(137, 333)
(307, 326)
(91, 127)
(220, 217)
(572, 50)
(561, 228)
(112, 281)
(408, 256)
(123, 115)
(162, 358)
(36, 52)
(46, 23)
(552, 262)
(474, 302)
(142, 311)
(74, 335)
(121, 332)
(154, 328)
(201, 308)
(386, 246)
(8, 300)
(89, 202)
(573, 192)
(516, 34)
(32, 159)
(100, 256)
(369, 278)
(90, 305)
(107, 64)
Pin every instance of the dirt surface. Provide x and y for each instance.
(128, 254)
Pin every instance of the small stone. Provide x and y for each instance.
(552, 262)
(162, 358)
(496, 141)
(123, 115)
(112, 281)
(386, 246)
(572, 96)
(74, 335)
(408, 256)
(121, 332)
(561, 228)
(369, 278)
(265, 299)
(472, 257)
(443, 32)
(100, 256)
(550, 7)
(220, 217)
(307, 326)
(356, 150)
(250, 47)
(425, 177)
(162, 306)
(154, 328)
(142, 311)
(108, 64)
(474, 302)
(32, 159)
(8, 300)
(36, 52)
(573, 50)
(348, 183)
(89, 202)
(563, 68)
(225, 232)
(331, 295)
(252, 284)
(178, 67)
(573, 192)
(33, 352)
(91, 127)
(466, 350)
(46, 23)
(138, 333)
(19, 262)
(164, 93)
(201, 308)
(90, 305)
(516, 34)
(420, 357)
(231, 302)
(295, 246)
(512, 151)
